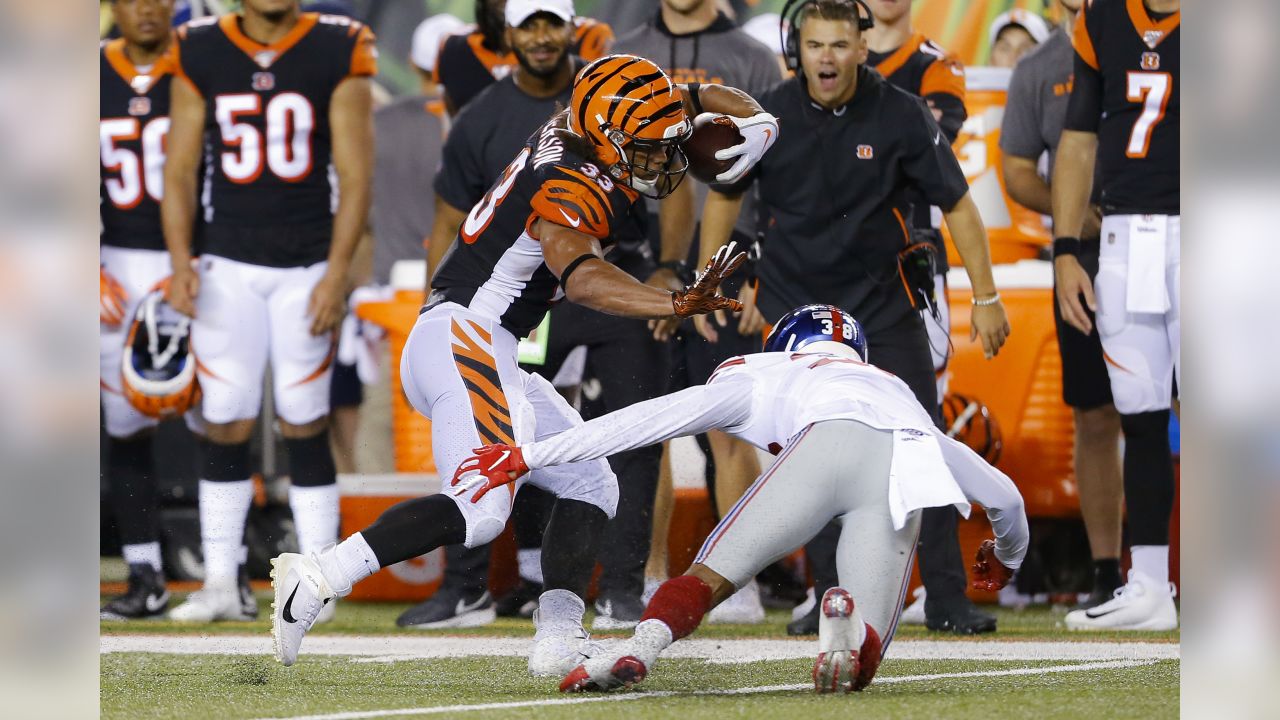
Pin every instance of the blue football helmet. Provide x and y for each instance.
(816, 323)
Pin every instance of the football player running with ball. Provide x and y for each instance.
(853, 445)
(536, 237)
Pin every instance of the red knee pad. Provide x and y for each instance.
(868, 659)
(681, 603)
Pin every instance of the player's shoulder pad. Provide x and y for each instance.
(199, 30)
(594, 38)
(728, 367)
(574, 193)
(351, 39)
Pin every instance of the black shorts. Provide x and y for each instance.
(345, 389)
(1085, 384)
(694, 358)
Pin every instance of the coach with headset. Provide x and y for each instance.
(835, 189)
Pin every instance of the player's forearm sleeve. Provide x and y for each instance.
(688, 412)
(996, 493)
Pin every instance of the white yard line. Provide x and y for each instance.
(624, 697)
(397, 648)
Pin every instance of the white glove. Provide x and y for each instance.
(758, 134)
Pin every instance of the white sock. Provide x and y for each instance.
(143, 554)
(530, 564)
(558, 610)
(347, 563)
(224, 507)
(654, 632)
(315, 516)
(1152, 561)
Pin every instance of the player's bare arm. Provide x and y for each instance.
(1072, 182)
(676, 214)
(443, 231)
(178, 207)
(596, 283)
(1026, 187)
(990, 323)
(351, 120)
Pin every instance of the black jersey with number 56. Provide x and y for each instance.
(495, 265)
(1126, 90)
(133, 119)
(269, 191)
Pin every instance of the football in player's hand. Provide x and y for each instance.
(708, 138)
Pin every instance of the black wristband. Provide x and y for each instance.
(1066, 246)
(693, 98)
(568, 269)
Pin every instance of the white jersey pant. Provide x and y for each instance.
(248, 315)
(832, 470)
(1141, 350)
(138, 272)
(459, 369)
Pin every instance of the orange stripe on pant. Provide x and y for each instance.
(479, 373)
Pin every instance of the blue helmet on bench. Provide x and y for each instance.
(810, 324)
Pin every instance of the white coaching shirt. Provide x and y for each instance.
(767, 398)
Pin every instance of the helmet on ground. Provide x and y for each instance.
(634, 118)
(810, 324)
(158, 370)
(971, 422)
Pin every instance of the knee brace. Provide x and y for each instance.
(1148, 476)
(311, 461)
(226, 463)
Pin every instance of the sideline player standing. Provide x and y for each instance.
(1123, 114)
(467, 64)
(536, 237)
(1034, 115)
(133, 118)
(853, 445)
(284, 100)
(836, 193)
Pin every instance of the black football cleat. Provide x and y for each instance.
(146, 596)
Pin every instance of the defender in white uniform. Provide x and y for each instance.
(853, 444)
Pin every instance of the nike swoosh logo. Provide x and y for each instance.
(767, 134)
(156, 602)
(463, 607)
(938, 138)
(572, 220)
(288, 616)
(505, 455)
(1095, 615)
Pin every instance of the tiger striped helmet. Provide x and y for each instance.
(634, 117)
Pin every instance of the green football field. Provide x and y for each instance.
(362, 666)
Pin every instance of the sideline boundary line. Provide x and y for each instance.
(623, 697)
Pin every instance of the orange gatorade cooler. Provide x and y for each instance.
(1015, 232)
(363, 499)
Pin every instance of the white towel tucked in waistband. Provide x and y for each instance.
(1147, 290)
(919, 477)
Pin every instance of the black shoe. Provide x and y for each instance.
(959, 616)
(521, 601)
(146, 596)
(248, 603)
(448, 608)
(617, 612)
(807, 624)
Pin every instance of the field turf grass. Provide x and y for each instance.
(230, 687)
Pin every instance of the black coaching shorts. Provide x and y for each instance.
(1085, 384)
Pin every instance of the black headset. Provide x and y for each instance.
(790, 34)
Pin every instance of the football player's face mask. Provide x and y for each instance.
(654, 168)
(158, 371)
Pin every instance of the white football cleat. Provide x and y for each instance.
(841, 632)
(622, 663)
(1141, 604)
(301, 593)
(914, 613)
(741, 608)
(212, 603)
(557, 648)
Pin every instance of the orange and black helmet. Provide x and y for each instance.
(634, 117)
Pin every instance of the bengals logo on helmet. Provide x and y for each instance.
(970, 422)
(629, 110)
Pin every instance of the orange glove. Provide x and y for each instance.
(492, 466)
(111, 299)
(703, 296)
(989, 573)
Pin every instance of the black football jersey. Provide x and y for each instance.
(133, 119)
(465, 67)
(495, 265)
(1125, 89)
(921, 67)
(269, 191)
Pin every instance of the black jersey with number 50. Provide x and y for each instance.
(495, 265)
(1125, 89)
(269, 193)
(133, 119)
